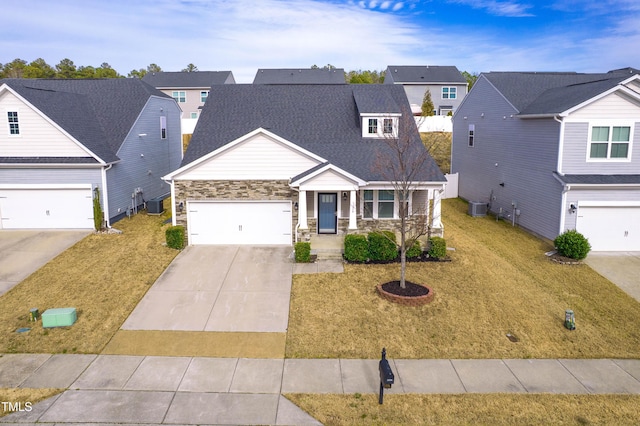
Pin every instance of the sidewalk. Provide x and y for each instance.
(184, 390)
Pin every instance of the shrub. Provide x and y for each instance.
(303, 252)
(382, 246)
(414, 251)
(97, 210)
(175, 237)
(356, 248)
(572, 244)
(437, 248)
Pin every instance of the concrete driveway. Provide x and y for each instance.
(621, 268)
(22, 252)
(219, 288)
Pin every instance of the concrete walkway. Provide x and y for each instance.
(182, 390)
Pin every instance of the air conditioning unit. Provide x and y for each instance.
(155, 206)
(477, 209)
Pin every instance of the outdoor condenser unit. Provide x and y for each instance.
(155, 206)
(477, 209)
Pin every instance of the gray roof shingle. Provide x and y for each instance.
(98, 113)
(322, 119)
(424, 74)
(300, 76)
(185, 80)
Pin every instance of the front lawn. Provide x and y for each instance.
(499, 282)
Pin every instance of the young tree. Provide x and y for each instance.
(471, 78)
(190, 68)
(401, 161)
(427, 104)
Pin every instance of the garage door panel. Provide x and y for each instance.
(610, 228)
(52, 208)
(254, 222)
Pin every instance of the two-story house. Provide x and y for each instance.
(60, 140)
(299, 160)
(447, 85)
(299, 76)
(555, 151)
(189, 89)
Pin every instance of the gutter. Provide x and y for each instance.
(105, 195)
(559, 119)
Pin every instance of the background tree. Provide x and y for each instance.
(14, 69)
(471, 78)
(326, 67)
(400, 161)
(365, 77)
(190, 68)
(39, 69)
(427, 104)
(66, 69)
(105, 71)
(86, 72)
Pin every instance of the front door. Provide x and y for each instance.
(327, 217)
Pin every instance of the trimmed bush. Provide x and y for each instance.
(175, 237)
(97, 210)
(356, 248)
(303, 252)
(437, 248)
(382, 246)
(414, 251)
(572, 244)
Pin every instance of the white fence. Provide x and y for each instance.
(451, 188)
(436, 123)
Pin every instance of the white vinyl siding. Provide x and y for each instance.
(38, 136)
(14, 124)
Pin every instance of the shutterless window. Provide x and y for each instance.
(194, 115)
(609, 142)
(14, 125)
(368, 203)
(373, 126)
(449, 92)
(163, 127)
(204, 95)
(180, 96)
(472, 131)
(387, 126)
(385, 204)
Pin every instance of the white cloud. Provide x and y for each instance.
(499, 8)
(385, 5)
(398, 6)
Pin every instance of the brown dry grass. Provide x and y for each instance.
(499, 282)
(493, 409)
(439, 146)
(22, 396)
(103, 276)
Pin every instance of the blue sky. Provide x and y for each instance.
(244, 35)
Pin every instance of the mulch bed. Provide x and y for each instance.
(423, 258)
(412, 295)
(410, 290)
(564, 260)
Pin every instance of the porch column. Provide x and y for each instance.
(437, 211)
(302, 209)
(353, 223)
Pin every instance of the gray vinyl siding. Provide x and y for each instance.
(575, 196)
(144, 160)
(521, 154)
(576, 145)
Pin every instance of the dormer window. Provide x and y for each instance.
(379, 126)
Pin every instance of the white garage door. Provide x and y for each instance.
(242, 222)
(610, 228)
(46, 208)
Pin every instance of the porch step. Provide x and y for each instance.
(327, 254)
(327, 247)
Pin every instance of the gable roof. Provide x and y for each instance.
(424, 74)
(540, 93)
(322, 119)
(300, 76)
(185, 80)
(97, 113)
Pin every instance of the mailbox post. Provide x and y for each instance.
(386, 375)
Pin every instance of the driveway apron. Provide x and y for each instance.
(621, 268)
(219, 288)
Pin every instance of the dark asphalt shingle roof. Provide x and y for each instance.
(185, 80)
(600, 179)
(300, 76)
(322, 119)
(98, 113)
(551, 92)
(424, 74)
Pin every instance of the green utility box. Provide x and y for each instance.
(59, 317)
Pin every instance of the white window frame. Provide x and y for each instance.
(449, 94)
(376, 203)
(194, 115)
(380, 129)
(610, 124)
(472, 136)
(15, 123)
(180, 96)
(204, 95)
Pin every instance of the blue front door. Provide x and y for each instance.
(327, 209)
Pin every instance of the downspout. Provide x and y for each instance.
(105, 195)
(295, 236)
(560, 144)
(563, 211)
(173, 202)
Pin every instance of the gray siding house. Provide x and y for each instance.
(299, 76)
(555, 151)
(299, 160)
(61, 139)
(447, 85)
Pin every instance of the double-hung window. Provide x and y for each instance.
(14, 125)
(449, 92)
(163, 127)
(179, 96)
(373, 126)
(472, 131)
(609, 142)
(387, 126)
(385, 204)
(378, 204)
(368, 204)
(204, 95)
